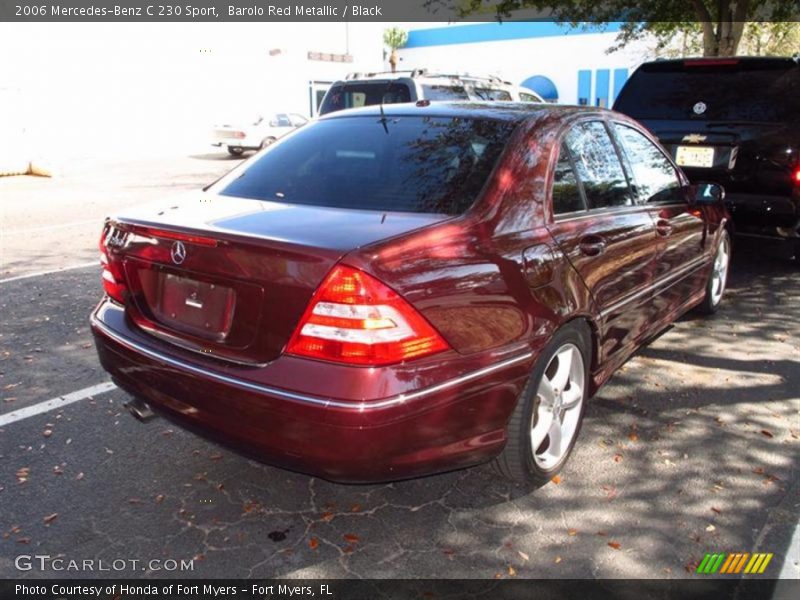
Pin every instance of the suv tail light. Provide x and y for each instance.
(796, 176)
(353, 318)
(113, 284)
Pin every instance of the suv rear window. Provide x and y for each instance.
(440, 92)
(742, 91)
(407, 164)
(354, 95)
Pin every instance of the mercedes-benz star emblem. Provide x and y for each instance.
(178, 253)
(699, 108)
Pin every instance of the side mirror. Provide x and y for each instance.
(708, 193)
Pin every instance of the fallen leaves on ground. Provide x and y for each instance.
(313, 543)
(572, 532)
(134, 501)
(47, 432)
(327, 516)
(710, 528)
(610, 490)
(767, 433)
(558, 559)
(351, 537)
(522, 555)
(511, 571)
(556, 479)
(615, 545)
(617, 457)
(633, 435)
(80, 476)
(23, 474)
(50, 518)
(160, 498)
(716, 510)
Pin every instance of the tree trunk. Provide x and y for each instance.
(722, 40)
(393, 60)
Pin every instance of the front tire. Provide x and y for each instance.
(545, 424)
(718, 278)
(235, 150)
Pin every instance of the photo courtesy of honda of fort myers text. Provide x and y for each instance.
(432, 299)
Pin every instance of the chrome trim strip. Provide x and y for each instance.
(324, 402)
(668, 279)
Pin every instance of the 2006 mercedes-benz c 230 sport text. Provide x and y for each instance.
(395, 291)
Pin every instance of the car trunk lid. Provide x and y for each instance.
(231, 277)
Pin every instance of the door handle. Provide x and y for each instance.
(663, 228)
(592, 245)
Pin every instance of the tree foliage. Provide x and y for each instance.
(721, 23)
(394, 37)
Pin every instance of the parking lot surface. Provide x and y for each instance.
(691, 448)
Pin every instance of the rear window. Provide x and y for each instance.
(440, 92)
(493, 94)
(407, 164)
(354, 95)
(763, 91)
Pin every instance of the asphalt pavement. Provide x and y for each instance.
(691, 448)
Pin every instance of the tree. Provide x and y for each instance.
(758, 39)
(721, 22)
(395, 38)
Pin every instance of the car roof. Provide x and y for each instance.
(503, 111)
(777, 61)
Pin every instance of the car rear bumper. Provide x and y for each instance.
(764, 215)
(457, 423)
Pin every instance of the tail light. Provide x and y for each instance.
(353, 318)
(113, 284)
(796, 176)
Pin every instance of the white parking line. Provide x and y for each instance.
(94, 263)
(48, 405)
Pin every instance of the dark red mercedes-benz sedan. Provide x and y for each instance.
(401, 290)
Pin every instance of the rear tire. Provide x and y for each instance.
(268, 141)
(545, 424)
(235, 151)
(718, 278)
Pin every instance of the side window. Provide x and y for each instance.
(656, 180)
(282, 120)
(598, 166)
(566, 193)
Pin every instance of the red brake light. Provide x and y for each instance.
(353, 318)
(113, 284)
(184, 237)
(796, 176)
(708, 62)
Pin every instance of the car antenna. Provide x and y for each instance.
(383, 120)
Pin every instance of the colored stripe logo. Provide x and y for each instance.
(734, 563)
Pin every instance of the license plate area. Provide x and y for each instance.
(695, 156)
(199, 308)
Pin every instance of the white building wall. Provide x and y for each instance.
(557, 58)
(92, 89)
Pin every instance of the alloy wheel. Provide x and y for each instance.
(556, 417)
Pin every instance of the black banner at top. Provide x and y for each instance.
(278, 11)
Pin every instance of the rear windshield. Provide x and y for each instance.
(353, 95)
(493, 94)
(768, 91)
(407, 164)
(444, 92)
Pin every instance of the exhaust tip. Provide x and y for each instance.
(141, 410)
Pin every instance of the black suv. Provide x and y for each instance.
(734, 121)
